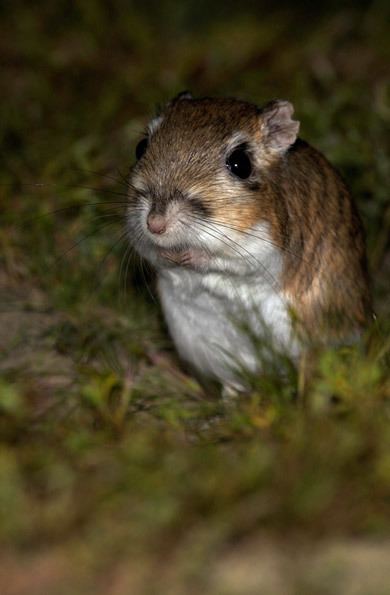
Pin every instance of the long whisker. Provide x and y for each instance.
(232, 243)
(142, 265)
(131, 258)
(221, 237)
(259, 237)
(138, 234)
(59, 258)
(97, 284)
(123, 272)
(120, 180)
(69, 187)
(228, 279)
(125, 179)
(105, 216)
(130, 253)
(68, 208)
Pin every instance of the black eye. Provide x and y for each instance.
(239, 164)
(141, 148)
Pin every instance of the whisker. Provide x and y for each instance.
(138, 235)
(101, 175)
(105, 216)
(142, 264)
(227, 278)
(123, 270)
(125, 179)
(221, 237)
(89, 235)
(259, 237)
(68, 208)
(98, 284)
(67, 187)
(233, 242)
(131, 257)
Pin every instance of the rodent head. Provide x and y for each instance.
(200, 176)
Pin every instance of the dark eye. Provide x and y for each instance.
(239, 164)
(141, 148)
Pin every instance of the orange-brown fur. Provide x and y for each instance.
(309, 210)
(328, 282)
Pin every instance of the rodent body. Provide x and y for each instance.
(204, 312)
(247, 226)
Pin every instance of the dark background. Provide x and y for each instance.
(119, 472)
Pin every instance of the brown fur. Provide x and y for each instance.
(328, 282)
(310, 212)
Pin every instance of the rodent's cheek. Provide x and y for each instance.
(231, 203)
(241, 215)
(136, 215)
(139, 240)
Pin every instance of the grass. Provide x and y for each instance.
(119, 472)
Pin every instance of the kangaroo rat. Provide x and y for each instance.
(246, 224)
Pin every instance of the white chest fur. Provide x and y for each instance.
(206, 313)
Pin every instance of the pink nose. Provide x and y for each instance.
(156, 223)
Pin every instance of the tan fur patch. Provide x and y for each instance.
(309, 211)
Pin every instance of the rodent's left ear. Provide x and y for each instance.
(180, 96)
(279, 130)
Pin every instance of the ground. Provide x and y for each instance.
(120, 472)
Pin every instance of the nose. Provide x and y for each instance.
(156, 223)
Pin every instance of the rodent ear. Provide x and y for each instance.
(180, 96)
(279, 130)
